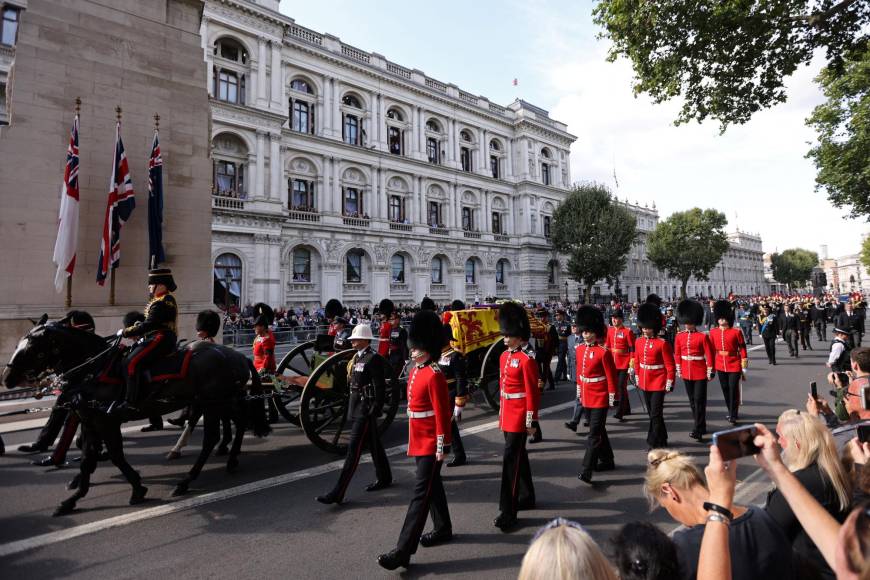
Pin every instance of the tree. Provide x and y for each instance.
(595, 232)
(794, 266)
(842, 154)
(865, 252)
(727, 59)
(688, 243)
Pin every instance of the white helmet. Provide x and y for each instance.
(362, 332)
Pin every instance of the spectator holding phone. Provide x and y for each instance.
(853, 393)
(759, 548)
(810, 453)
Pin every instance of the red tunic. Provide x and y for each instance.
(693, 354)
(428, 411)
(519, 391)
(729, 349)
(653, 363)
(332, 330)
(264, 352)
(596, 376)
(384, 336)
(620, 342)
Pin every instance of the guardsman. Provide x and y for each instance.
(563, 329)
(544, 351)
(654, 365)
(693, 355)
(264, 343)
(452, 364)
(538, 435)
(596, 390)
(367, 375)
(208, 324)
(332, 310)
(518, 382)
(620, 342)
(385, 311)
(730, 357)
(342, 334)
(428, 442)
(398, 351)
(156, 334)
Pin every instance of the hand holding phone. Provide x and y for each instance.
(814, 391)
(737, 442)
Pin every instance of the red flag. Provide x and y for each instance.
(68, 217)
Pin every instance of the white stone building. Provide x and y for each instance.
(338, 173)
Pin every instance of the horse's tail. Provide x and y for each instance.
(256, 409)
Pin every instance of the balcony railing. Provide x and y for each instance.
(439, 231)
(227, 202)
(399, 287)
(401, 227)
(438, 289)
(501, 237)
(304, 216)
(356, 222)
(355, 287)
(471, 235)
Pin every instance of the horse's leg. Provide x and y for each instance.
(211, 434)
(192, 420)
(226, 433)
(115, 446)
(86, 468)
(240, 420)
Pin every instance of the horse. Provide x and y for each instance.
(215, 379)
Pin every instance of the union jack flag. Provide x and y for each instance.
(119, 206)
(68, 216)
(156, 255)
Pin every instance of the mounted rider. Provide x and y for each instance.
(156, 335)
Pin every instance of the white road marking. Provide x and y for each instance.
(176, 506)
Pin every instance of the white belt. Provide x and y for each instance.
(513, 395)
(692, 357)
(592, 379)
(651, 367)
(420, 414)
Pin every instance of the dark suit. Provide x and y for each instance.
(790, 326)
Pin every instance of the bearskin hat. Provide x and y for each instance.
(723, 309)
(590, 319)
(514, 321)
(427, 304)
(690, 312)
(426, 333)
(654, 299)
(457, 305)
(649, 316)
(132, 318)
(333, 308)
(618, 313)
(263, 314)
(386, 307)
(209, 322)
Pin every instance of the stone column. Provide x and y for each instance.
(261, 72)
(523, 169)
(277, 76)
(322, 191)
(382, 194)
(455, 143)
(382, 123)
(509, 167)
(277, 193)
(484, 150)
(511, 228)
(337, 121)
(486, 225)
(451, 143)
(261, 164)
(336, 200)
(421, 134)
(558, 181)
(209, 63)
(251, 176)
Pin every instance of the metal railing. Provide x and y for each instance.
(245, 336)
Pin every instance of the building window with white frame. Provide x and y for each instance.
(397, 269)
(545, 166)
(470, 272)
(547, 222)
(437, 270)
(494, 166)
(396, 209)
(353, 267)
(230, 87)
(435, 215)
(302, 195)
(351, 128)
(467, 219)
(394, 141)
(432, 152)
(496, 223)
(465, 158)
(9, 28)
(353, 203)
(231, 64)
(500, 271)
(301, 265)
(228, 179)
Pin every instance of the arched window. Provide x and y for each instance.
(397, 268)
(433, 126)
(500, 268)
(9, 27)
(437, 270)
(229, 49)
(395, 114)
(227, 281)
(470, 272)
(229, 156)
(301, 265)
(494, 145)
(229, 71)
(354, 267)
(545, 153)
(301, 86)
(351, 101)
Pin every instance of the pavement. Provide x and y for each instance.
(263, 520)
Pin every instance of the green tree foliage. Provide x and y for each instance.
(595, 232)
(842, 123)
(688, 243)
(728, 58)
(865, 252)
(794, 266)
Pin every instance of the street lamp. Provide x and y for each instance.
(566, 292)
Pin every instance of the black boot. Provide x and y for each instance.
(436, 537)
(393, 559)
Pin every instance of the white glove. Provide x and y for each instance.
(611, 399)
(669, 386)
(630, 370)
(679, 374)
(457, 414)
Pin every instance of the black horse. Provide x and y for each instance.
(215, 380)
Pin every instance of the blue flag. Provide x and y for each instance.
(156, 255)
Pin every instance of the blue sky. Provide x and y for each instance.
(756, 173)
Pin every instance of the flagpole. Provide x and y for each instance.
(109, 249)
(68, 301)
(153, 260)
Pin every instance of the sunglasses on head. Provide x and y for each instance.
(555, 524)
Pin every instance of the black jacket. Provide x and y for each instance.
(452, 364)
(787, 322)
(367, 378)
(160, 314)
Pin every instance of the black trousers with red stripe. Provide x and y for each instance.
(623, 407)
(516, 475)
(364, 430)
(429, 499)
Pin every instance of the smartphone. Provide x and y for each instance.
(863, 433)
(737, 442)
(865, 398)
(814, 391)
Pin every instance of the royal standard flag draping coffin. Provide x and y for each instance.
(473, 329)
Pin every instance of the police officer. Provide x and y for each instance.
(563, 329)
(452, 364)
(518, 381)
(368, 373)
(156, 335)
(838, 358)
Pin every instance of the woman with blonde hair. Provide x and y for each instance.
(562, 550)
(759, 549)
(810, 453)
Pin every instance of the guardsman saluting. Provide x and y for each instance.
(620, 342)
(730, 356)
(518, 381)
(693, 355)
(452, 364)
(596, 389)
(654, 365)
(367, 375)
(428, 441)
